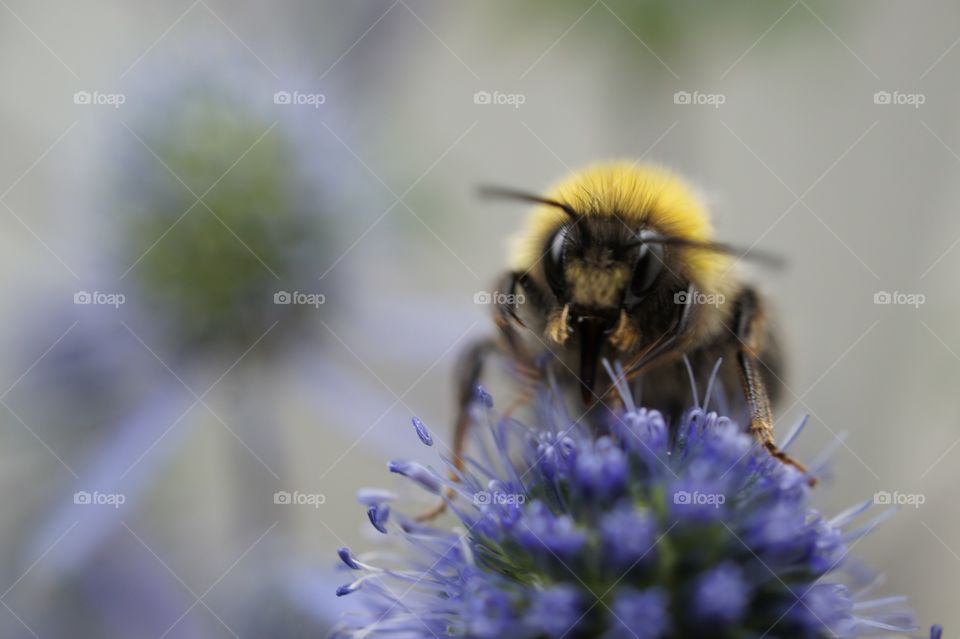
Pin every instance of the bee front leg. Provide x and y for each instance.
(751, 335)
(467, 374)
(469, 369)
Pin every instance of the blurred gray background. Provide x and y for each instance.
(196, 158)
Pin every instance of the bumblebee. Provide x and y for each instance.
(619, 262)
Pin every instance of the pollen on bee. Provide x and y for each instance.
(625, 336)
(558, 326)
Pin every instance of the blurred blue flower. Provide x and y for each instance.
(645, 531)
(226, 221)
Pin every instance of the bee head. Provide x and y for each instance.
(617, 251)
(614, 288)
(600, 267)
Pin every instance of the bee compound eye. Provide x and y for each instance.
(557, 245)
(554, 260)
(646, 268)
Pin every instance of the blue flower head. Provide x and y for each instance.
(643, 532)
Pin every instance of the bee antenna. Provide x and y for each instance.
(512, 194)
(768, 259)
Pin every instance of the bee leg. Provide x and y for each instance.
(751, 334)
(507, 321)
(663, 347)
(470, 368)
(526, 368)
(528, 384)
(467, 375)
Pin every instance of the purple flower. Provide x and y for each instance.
(721, 595)
(601, 470)
(640, 614)
(554, 609)
(628, 535)
(652, 530)
(545, 533)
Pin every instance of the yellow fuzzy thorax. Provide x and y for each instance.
(641, 196)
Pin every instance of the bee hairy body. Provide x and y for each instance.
(618, 262)
(616, 205)
(665, 385)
